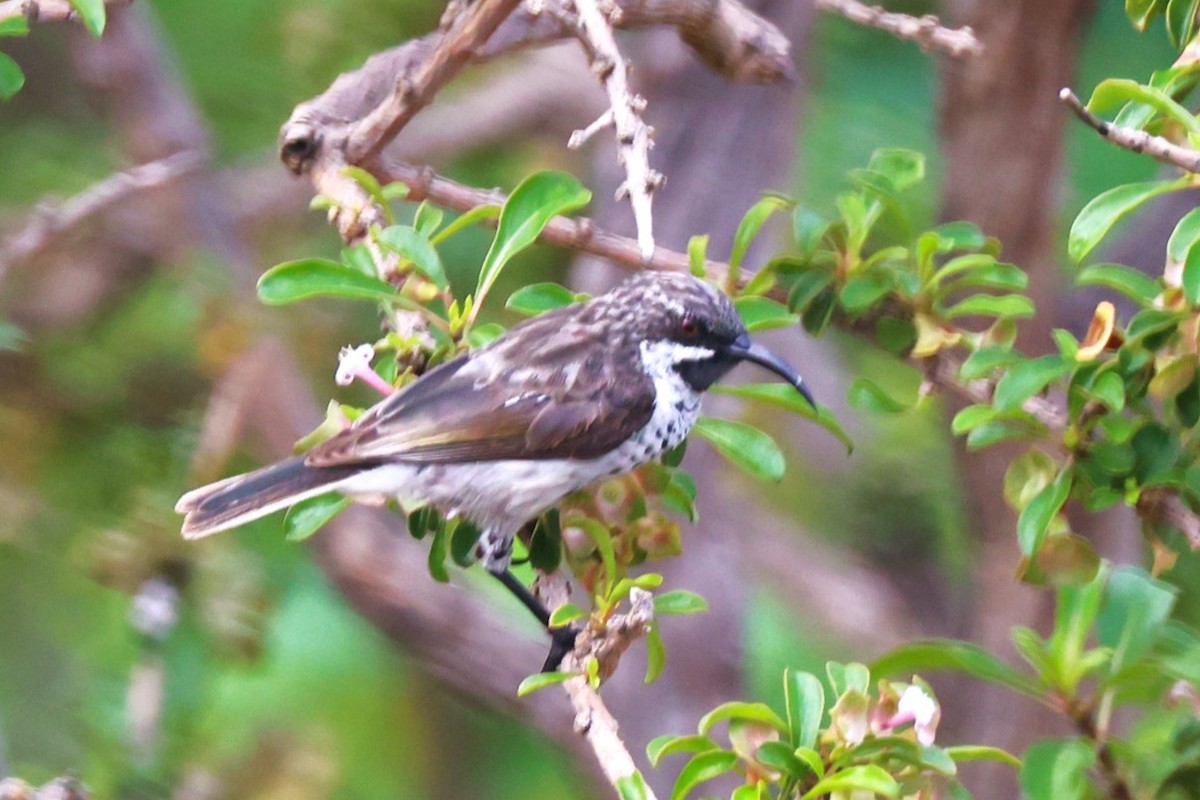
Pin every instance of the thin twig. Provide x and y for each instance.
(465, 35)
(1158, 148)
(1085, 723)
(927, 31)
(47, 221)
(633, 134)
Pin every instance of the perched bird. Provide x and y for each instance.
(502, 433)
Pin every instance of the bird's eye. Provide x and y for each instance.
(689, 326)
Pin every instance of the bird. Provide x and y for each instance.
(497, 436)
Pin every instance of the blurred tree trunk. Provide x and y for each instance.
(1002, 135)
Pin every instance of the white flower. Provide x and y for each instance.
(353, 362)
(918, 707)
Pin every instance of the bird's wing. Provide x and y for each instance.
(551, 397)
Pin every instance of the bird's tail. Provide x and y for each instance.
(243, 498)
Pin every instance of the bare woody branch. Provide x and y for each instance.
(47, 221)
(726, 35)
(1162, 150)
(633, 134)
(941, 371)
(46, 10)
(927, 31)
(465, 35)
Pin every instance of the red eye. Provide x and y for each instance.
(689, 327)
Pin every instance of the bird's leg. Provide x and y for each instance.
(562, 640)
(495, 551)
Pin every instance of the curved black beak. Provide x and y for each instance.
(744, 349)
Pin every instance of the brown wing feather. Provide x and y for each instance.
(544, 392)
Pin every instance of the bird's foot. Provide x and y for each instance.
(562, 641)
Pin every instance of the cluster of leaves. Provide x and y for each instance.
(91, 12)
(1112, 644)
(857, 744)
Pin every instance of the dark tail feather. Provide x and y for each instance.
(243, 498)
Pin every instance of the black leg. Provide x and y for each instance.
(562, 640)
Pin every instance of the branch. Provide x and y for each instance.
(633, 135)
(593, 720)
(927, 31)
(46, 10)
(727, 36)
(414, 90)
(1162, 150)
(48, 221)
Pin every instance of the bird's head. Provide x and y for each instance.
(696, 329)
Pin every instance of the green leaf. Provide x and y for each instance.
(866, 395)
(1057, 770)
(1027, 475)
(1135, 285)
(750, 712)
(633, 787)
(662, 746)
(479, 335)
(784, 396)
(863, 291)
(1002, 306)
(866, 778)
(904, 168)
(971, 417)
(1157, 449)
(370, 184)
(807, 287)
(1000, 430)
(1114, 92)
(959, 235)
(318, 277)
(566, 614)
(539, 297)
(1181, 21)
(543, 679)
(14, 26)
(779, 756)
(761, 313)
(1135, 608)
(697, 255)
(306, 517)
(656, 655)
(959, 656)
(416, 247)
(1108, 208)
(11, 77)
(1036, 517)
(602, 538)
(1028, 378)
(476, 214)
(749, 227)
(438, 549)
(536, 200)
(809, 228)
(744, 445)
(679, 601)
(701, 768)
(985, 360)
(965, 753)
(93, 15)
(804, 696)
(1191, 276)
(428, 217)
